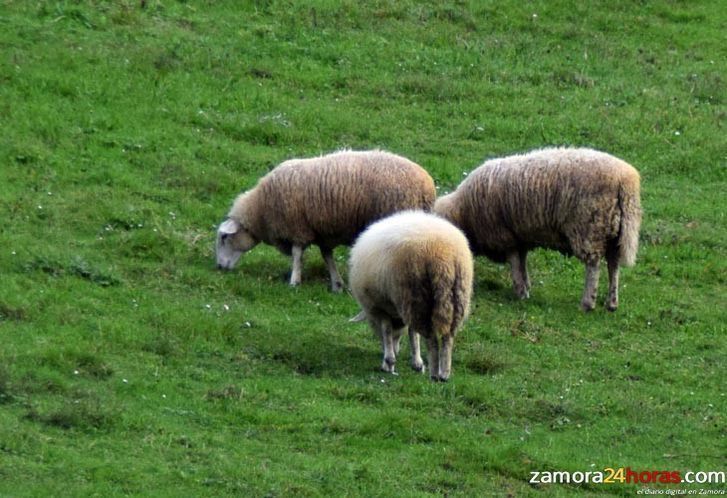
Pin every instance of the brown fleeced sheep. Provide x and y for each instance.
(413, 269)
(575, 200)
(326, 201)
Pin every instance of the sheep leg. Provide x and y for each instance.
(387, 344)
(336, 282)
(417, 364)
(445, 357)
(295, 275)
(588, 301)
(433, 351)
(612, 260)
(397, 334)
(516, 271)
(523, 256)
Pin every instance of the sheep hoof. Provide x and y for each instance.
(388, 366)
(611, 306)
(418, 367)
(522, 293)
(587, 306)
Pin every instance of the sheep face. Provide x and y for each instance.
(232, 241)
(444, 206)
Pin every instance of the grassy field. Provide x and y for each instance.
(130, 366)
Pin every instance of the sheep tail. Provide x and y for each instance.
(450, 297)
(630, 205)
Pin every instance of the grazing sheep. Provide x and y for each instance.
(326, 201)
(577, 201)
(413, 269)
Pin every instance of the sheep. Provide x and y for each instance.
(413, 269)
(326, 201)
(578, 201)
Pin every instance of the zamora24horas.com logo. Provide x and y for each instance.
(626, 475)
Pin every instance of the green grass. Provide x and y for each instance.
(130, 366)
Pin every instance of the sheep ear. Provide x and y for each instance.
(359, 318)
(229, 226)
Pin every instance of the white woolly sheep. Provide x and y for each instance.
(413, 269)
(326, 201)
(575, 200)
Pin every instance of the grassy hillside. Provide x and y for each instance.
(130, 366)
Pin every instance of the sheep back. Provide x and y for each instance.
(329, 200)
(571, 200)
(414, 268)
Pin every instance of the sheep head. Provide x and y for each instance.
(232, 241)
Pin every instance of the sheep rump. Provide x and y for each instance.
(325, 201)
(575, 200)
(413, 269)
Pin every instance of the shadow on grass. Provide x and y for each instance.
(12, 313)
(83, 414)
(6, 395)
(77, 267)
(318, 359)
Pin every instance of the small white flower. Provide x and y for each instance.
(226, 307)
(125, 381)
(677, 133)
(75, 372)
